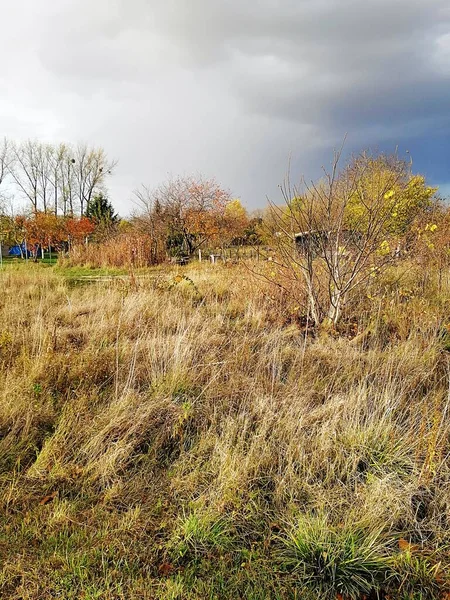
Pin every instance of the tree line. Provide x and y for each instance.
(61, 179)
(64, 188)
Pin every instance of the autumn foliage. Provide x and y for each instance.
(46, 230)
(78, 229)
(187, 214)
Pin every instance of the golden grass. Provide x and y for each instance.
(162, 437)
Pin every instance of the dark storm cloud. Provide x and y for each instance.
(230, 88)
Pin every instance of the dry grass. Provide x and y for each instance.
(177, 437)
(129, 250)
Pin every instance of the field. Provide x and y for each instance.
(179, 435)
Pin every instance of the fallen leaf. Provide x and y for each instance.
(47, 499)
(166, 569)
(406, 546)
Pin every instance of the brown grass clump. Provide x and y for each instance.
(181, 436)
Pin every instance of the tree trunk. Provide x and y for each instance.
(312, 301)
(335, 309)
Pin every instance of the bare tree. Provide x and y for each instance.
(25, 171)
(5, 164)
(54, 178)
(334, 235)
(5, 159)
(150, 220)
(34, 170)
(91, 168)
(44, 167)
(67, 180)
(55, 159)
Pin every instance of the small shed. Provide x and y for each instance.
(315, 242)
(311, 242)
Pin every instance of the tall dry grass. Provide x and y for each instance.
(129, 250)
(180, 436)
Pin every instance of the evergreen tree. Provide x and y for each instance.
(101, 211)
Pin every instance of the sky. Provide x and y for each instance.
(229, 89)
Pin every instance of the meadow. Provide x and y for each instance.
(182, 435)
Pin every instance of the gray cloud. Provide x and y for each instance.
(230, 89)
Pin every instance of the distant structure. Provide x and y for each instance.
(313, 242)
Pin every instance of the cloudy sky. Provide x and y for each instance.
(228, 88)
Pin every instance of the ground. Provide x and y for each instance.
(177, 434)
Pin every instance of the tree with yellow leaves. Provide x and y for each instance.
(338, 233)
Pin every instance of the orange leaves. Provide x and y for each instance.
(78, 229)
(43, 228)
(191, 208)
(47, 229)
(405, 546)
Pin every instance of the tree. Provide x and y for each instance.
(235, 222)
(429, 242)
(254, 232)
(405, 198)
(91, 169)
(24, 171)
(6, 228)
(5, 160)
(101, 212)
(189, 210)
(78, 229)
(17, 233)
(44, 230)
(5, 163)
(66, 175)
(150, 221)
(336, 234)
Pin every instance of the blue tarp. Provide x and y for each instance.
(19, 251)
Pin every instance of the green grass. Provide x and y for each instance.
(196, 535)
(80, 272)
(328, 561)
(65, 271)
